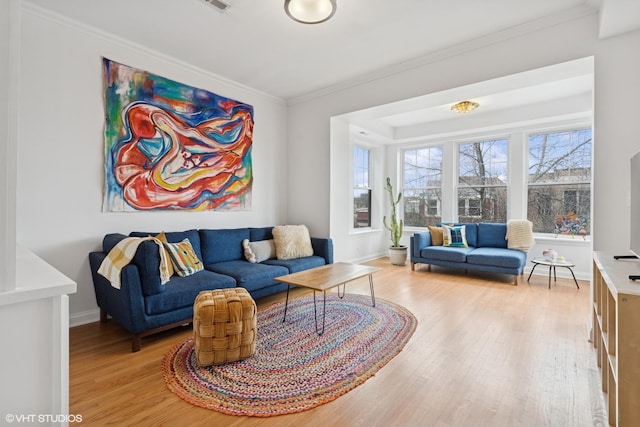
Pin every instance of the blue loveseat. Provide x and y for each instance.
(487, 251)
(144, 306)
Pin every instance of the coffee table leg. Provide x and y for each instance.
(373, 298)
(344, 290)
(550, 277)
(286, 304)
(574, 277)
(315, 313)
(534, 267)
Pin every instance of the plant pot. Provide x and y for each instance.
(398, 255)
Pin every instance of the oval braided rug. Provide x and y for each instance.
(294, 369)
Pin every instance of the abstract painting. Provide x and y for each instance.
(170, 146)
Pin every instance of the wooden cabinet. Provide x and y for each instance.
(616, 335)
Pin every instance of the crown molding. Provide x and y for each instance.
(548, 21)
(140, 49)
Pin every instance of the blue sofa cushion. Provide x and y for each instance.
(471, 231)
(222, 245)
(492, 235)
(298, 264)
(444, 253)
(248, 275)
(499, 257)
(261, 233)
(182, 291)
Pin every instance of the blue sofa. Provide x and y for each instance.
(144, 306)
(487, 251)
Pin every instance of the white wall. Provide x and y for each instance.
(9, 24)
(617, 80)
(61, 150)
(349, 244)
(617, 137)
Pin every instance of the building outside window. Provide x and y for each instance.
(422, 186)
(482, 181)
(361, 188)
(559, 195)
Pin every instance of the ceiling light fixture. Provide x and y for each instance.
(310, 11)
(464, 107)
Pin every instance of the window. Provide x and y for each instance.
(559, 196)
(422, 186)
(361, 189)
(482, 181)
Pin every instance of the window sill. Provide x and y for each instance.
(363, 231)
(562, 239)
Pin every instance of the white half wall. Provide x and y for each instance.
(61, 149)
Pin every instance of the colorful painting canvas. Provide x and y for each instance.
(170, 146)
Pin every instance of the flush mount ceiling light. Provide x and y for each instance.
(310, 11)
(464, 107)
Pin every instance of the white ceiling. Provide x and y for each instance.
(254, 43)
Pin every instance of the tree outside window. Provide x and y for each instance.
(422, 186)
(361, 190)
(559, 195)
(482, 181)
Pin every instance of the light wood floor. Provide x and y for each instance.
(485, 353)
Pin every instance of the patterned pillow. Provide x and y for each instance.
(183, 257)
(454, 236)
(436, 235)
(292, 241)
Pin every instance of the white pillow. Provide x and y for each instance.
(292, 241)
(259, 251)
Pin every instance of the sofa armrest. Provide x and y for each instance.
(323, 247)
(418, 242)
(125, 305)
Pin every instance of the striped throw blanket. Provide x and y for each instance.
(520, 234)
(122, 254)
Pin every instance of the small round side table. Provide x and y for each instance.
(552, 265)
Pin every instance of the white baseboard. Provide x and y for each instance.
(84, 317)
(367, 258)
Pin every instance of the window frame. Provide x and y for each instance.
(459, 185)
(352, 225)
(427, 189)
(578, 183)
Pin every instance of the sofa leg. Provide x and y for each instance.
(515, 280)
(103, 315)
(413, 266)
(429, 267)
(136, 343)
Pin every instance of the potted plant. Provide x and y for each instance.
(397, 252)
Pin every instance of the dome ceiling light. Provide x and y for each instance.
(310, 11)
(464, 107)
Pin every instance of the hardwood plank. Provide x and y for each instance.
(485, 353)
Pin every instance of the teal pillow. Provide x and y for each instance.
(454, 236)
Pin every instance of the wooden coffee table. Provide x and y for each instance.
(324, 278)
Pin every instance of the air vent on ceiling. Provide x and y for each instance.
(219, 5)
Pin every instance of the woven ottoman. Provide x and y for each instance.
(224, 326)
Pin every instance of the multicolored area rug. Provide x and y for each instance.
(294, 369)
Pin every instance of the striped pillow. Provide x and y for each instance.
(183, 257)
